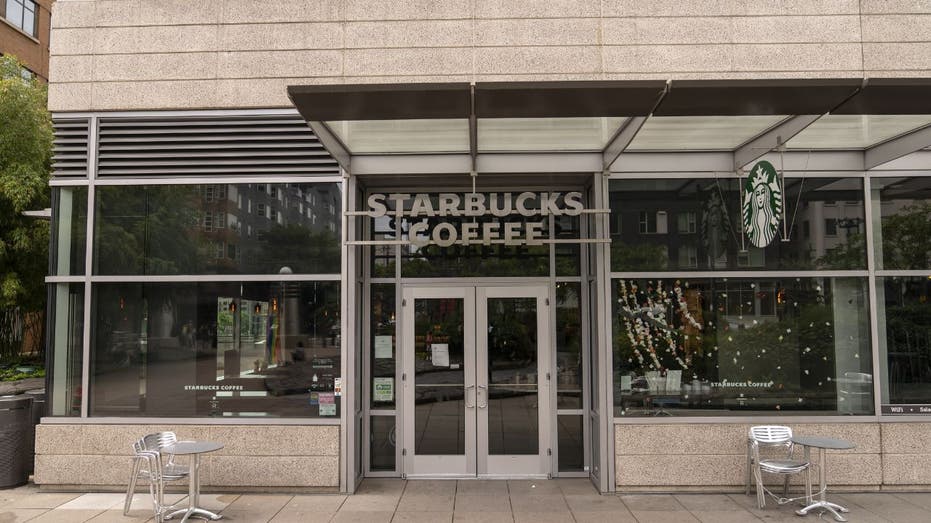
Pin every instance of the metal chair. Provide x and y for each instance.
(149, 464)
(774, 436)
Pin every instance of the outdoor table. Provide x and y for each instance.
(822, 444)
(193, 449)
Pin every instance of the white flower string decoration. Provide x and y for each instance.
(652, 336)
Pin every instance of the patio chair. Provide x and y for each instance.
(149, 464)
(774, 436)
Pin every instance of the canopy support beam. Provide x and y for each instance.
(897, 147)
(771, 139)
(332, 144)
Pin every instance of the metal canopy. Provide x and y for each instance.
(890, 96)
(754, 97)
(627, 107)
(382, 101)
(566, 99)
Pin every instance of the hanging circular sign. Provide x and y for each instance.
(762, 204)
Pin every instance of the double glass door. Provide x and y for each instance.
(476, 375)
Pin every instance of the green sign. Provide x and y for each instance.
(762, 204)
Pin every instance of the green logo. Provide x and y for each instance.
(762, 204)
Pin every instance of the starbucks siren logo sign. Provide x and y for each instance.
(762, 204)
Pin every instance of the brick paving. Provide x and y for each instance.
(479, 501)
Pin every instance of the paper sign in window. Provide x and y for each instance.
(440, 354)
(383, 348)
(383, 389)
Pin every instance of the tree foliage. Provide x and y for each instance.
(25, 159)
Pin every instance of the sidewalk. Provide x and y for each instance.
(387, 500)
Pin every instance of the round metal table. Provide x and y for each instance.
(822, 444)
(193, 449)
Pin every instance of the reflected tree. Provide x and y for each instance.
(149, 230)
(905, 237)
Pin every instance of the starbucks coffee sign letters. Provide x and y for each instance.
(762, 204)
(500, 205)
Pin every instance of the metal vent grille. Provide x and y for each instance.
(234, 146)
(70, 150)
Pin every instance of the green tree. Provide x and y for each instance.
(25, 159)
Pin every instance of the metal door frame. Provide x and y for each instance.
(524, 466)
(476, 462)
(436, 466)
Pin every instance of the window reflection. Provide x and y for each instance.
(218, 229)
(901, 239)
(216, 349)
(729, 345)
(905, 338)
(689, 224)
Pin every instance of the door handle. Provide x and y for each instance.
(485, 403)
(472, 406)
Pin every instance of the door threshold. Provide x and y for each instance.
(467, 477)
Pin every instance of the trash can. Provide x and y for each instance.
(15, 420)
(38, 410)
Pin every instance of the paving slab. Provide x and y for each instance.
(17, 515)
(466, 501)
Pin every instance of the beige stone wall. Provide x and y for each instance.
(712, 456)
(140, 54)
(255, 457)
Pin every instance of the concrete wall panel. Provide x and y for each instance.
(896, 28)
(255, 456)
(71, 68)
(410, 61)
(73, 41)
(279, 64)
(419, 33)
(406, 10)
(73, 14)
(713, 455)
(182, 94)
(154, 67)
(530, 60)
(537, 8)
(155, 39)
(266, 11)
(897, 56)
(537, 32)
(280, 36)
(690, 8)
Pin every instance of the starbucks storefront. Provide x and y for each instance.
(609, 280)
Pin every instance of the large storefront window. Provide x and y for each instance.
(216, 349)
(696, 224)
(902, 228)
(724, 346)
(218, 229)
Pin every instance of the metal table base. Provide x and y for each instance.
(192, 510)
(822, 503)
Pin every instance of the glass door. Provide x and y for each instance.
(476, 396)
(438, 343)
(513, 385)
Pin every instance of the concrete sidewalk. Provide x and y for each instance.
(387, 500)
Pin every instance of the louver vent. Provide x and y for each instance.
(240, 146)
(70, 152)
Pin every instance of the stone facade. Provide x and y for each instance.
(712, 456)
(176, 54)
(256, 457)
